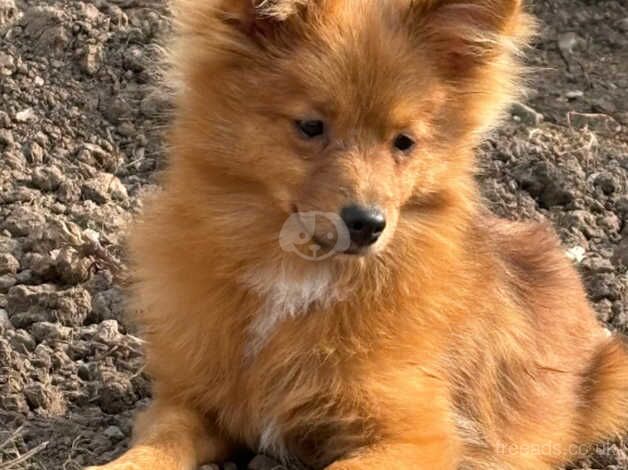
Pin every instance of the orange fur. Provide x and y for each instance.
(458, 341)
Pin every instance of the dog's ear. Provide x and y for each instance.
(260, 19)
(470, 33)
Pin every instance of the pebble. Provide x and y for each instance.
(35, 153)
(114, 433)
(7, 281)
(8, 263)
(8, 13)
(107, 332)
(92, 58)
(576, 254)
(620, 254)
(607, 183)
(22, 340)
(6, 139)
(7, 64)
(103, 187)
(49, 331)
(47, 178)
(25, 115)
(5, 323)
(23, 221)
(574, 94)
(133, 59)
(567, 42)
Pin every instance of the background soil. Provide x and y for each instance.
(79, 142)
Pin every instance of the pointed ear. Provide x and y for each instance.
(259, 18)
(471, 33)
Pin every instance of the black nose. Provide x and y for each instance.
(365, 224)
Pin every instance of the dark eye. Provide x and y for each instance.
(311, 129)
(403, 143)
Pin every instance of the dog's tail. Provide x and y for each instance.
(605, 404)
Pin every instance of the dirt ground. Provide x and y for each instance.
(80, 141)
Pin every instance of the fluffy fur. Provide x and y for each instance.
(458, 341)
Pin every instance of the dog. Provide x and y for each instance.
(319, 279)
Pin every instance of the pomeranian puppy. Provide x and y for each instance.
(319, 279)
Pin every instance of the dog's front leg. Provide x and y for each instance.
(170, 437)
(438, 454)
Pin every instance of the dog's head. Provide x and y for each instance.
(353, 111)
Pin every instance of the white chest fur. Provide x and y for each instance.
(287, 293)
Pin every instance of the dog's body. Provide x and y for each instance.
(457, 341)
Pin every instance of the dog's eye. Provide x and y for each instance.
(311, 128)
(403, 143)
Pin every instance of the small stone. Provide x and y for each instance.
(546, 183)
(107, 332)
(567, 42)
(134, 59)
(5, 323)
(35, 153)
(597, 264)
(92, 58)
(68, 191)
(71, 267)
(41, 265)
(609, 223)
(7, 281)
(8, 264)
(8, 13)
(116, 393)
(526, 114)
(606, 182)
(583, 221)
(108, 305)
(620, 254)
(7, 64)
(623, 25)
(576, 254)
(126, 129)
(574, 94)
(6, 139)
(117, 110)
(102, 187)
(43, 357)
(90, 12)
(30, 304)
(22, 341)
(49, 331)
(25, 115)
(39, 396)
(47, 178)
(604, 310)
(114, 433)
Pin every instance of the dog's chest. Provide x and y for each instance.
(285, 295)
